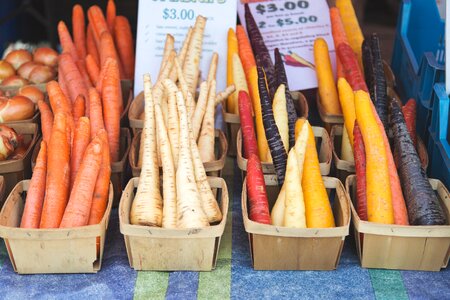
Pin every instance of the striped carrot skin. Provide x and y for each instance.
(277, 150)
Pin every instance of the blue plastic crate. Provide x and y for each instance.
(438, 145)
(418, 59)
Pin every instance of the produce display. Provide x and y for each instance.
(21, 67)
(178, 134)
(382, 195)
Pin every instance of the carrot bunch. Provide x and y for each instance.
(178, 135)
(90, 45)
(94, 60)
(70, 182)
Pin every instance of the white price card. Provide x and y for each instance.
(292, 26)
(157, 18)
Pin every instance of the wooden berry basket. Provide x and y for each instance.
(16, 170)
(134, 112)
(324, 153)
(420, 248)
(127, 97)
(161, 249)
(344, 168)
(281, 248)
(233, 122)
(213, 168)
(38, 251)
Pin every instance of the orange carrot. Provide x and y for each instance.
(78, 29)
(98, 23)
(91, 47)
(100, 78)
(112, 106)
(108, 50)
(31, 216)
(79, 108)
(46, 120)
(125, 45)
(58, 101)
(80, 201)
(110, 15)
(62, 83)
(81, 139)
(398, 201)
(95, 111)
(245, 49)
(66, 41)
(92, 68)
(101, 190)
(58, 175)
(73, 79)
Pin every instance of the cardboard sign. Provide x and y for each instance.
(292, 26)
(157, 18)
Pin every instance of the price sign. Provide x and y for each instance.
(157, 18)
(292, 26)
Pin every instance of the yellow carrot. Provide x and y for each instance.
(327, 86)
(318, 209)
(347, 100)
(379, 198)
(232, 49)
(351, 26)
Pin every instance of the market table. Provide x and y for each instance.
(233, 277)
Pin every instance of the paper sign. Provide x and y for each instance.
(292, 26)
(157, 18)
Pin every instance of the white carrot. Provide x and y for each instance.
(190, 102)
(190, 212)
(169, 219)
(220, 97)
(173, 125)
(200, 109)
(209, 202)
(191, 66)
(147, 204)
(281, 115)
(294, 213)
(206, 138)
(213, 67)
(168, 47)
(277, 214)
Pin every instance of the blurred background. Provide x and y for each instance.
(34, 21)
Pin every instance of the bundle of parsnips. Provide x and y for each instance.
(178, 134)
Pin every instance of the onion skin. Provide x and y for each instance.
(8, 141)
(17, 108)
(18, 57)
(6, 70)
(46, 56)
(15, 81)
(42, 74)
(25, 69)
(32, 93)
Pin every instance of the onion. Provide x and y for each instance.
(25, 69)
(6, 70)
(14, 81)
(46, 56)
(42, 74)
(18, 57)
(31, 92)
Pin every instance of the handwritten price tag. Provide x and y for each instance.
(292, 26)
(157, 18)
